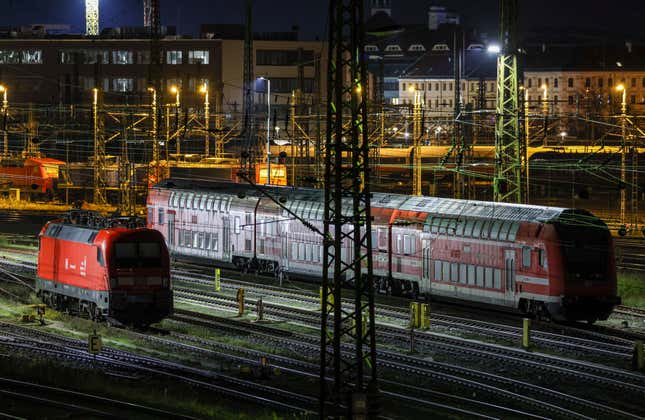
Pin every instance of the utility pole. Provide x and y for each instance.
(250, 150)
(347, 181)
(527, 136)
(416, 149)
(507, 183)
(457, 130)
(99, 148)
(623, 155)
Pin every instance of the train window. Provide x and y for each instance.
(445, 271)
(454, 272)
(189, 201)
(398, 264)
(182, 200)
(513, 231)
(308, 256)
(195, 239)
(207, 240)
(209, 203)
(247, 244)
(477, 229)
(180, 237)
(137, 254)
(382, 238)
(437, 270)
(173, 199)
(413, 246)
(526, 256)
(479, 276)
(196, 201)
(301, 251)
(248, 221)
(488, 274)
(471, 274)
(460, 228)
(463, 273)
(468, 229)
(202, 202)
(399, 246)
(200, 240)
(99, 257)
(542, 257)
(485, 229)
(434, 225)
(503, 232)
(494, 231)
(497, 277)
(188, 238)
(236, 225)
(151, 213)
(406, 244)
(214, 244)
(161, 217)
(261, 246)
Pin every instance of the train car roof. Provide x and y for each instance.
(445, 207)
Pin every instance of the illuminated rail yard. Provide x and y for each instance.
(340, 209)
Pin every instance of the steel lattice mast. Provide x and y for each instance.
(347, 226)
(507, 184)
(250, 150)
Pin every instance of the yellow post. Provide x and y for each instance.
(526, 332)
(240, 302)
(425, 316)
(415, 320)
(640, 354)
(217, 280)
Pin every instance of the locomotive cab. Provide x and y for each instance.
(582, 265)
(139, 276)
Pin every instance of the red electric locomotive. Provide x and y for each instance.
(107, 269)
(550, 262)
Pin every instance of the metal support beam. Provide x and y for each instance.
(99, 148)
(507, 182)
(347, 225)
(416, 149)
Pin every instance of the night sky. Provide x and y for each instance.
(619, 17)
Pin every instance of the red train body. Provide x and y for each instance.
(38, 175)
(114, 273)
(551, 262)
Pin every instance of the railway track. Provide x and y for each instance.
(48, 345)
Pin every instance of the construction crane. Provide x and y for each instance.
(91, 17)
(507, 182)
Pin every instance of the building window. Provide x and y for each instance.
(430, 86)
(601, 82)
(555, 82)
(32, 57)
(9, 57)
(570, 82)
(539, 82)
(198, 57)
(284, 57)
(122, 57)
(610, 83)
(632, 99)
(555, 99)
(443, 86)
(174, 57)
(570, 100)
(633, 82)
(403, 86)
(643, 82)
(194, 84)
(530, 82)
(123, 85)
(450, 86)
(436, 86)
(144, 57)
(588, 82)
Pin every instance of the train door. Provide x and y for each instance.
(226, 239)
(284, 233)
(510, 276)
(426, 254)
(171, 230)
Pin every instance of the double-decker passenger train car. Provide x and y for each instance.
(550, 262)
(104, 269)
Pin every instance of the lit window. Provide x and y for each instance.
(371, 48)
(123, 85)
(9, 57)
(122, 57)
(416, 47)
(32, 57)
(196, 57)
(173, 57)
(392, 48)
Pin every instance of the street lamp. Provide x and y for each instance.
(623, 153)
(494, 49)
(268, 129)
(563, 134)
(5, 107)
(174, 89)
(204, 90)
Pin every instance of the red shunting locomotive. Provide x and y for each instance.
(106, 269)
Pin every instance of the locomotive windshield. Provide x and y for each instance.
(586, 243)
(137, 254)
